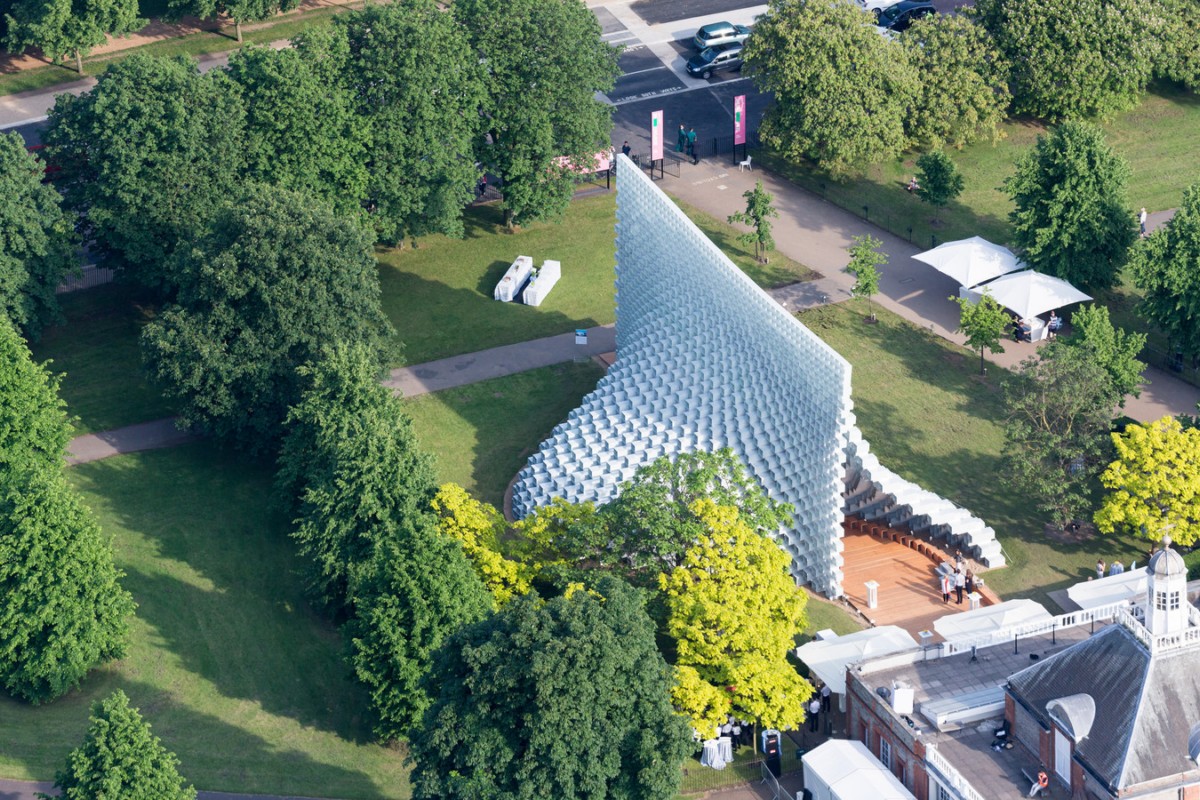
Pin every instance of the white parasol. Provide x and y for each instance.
(1031, 293)
(971, 261)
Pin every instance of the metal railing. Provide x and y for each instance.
(724, 144)
(949, 776)
(89, 276)
(1071, 619)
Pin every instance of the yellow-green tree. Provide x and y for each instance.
(1154, 483)
(734, 613)
(478, 526)
(705, 706)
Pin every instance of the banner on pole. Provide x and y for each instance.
(739, 119)
(656, 136)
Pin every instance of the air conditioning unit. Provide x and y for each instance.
(902, 698)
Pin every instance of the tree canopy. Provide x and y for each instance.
(1113, 349)
(1154, 483)
(544, 62)
(120, 757)
(983, 323)
(758, 215)
(940, 181)
(69, 27)
(865, 260)
(37, 240)
(34, 429)
(1166, 268)
(734, 612)
(477, 526)
(1070, 217)
(841, 89)
(277, 277)
(146, 158)
(564, 698)
(240, 11)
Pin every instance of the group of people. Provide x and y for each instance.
(738, 731)
(822, 700)
(1116, 568)
(960, 582)
(686, 143)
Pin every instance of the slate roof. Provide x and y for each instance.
(1145, 707)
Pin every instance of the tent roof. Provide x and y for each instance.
(970, 261)
(851, 772)
(990, 619)
(1129, 585)
(829, 659)
(1031, 293)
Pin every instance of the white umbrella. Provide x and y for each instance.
(990, 619)
(1031, 293)
(828, 659)
(970, 261)
(1129, 585)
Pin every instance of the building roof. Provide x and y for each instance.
(1167, 563)
(1144, 706)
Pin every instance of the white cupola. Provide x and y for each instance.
(1166, 592)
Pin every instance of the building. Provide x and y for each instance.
(1106, 700)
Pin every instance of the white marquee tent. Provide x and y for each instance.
(1031, 293)
(971, 261)
(990, 619)
(828, 659)
(844, 769)
(1128, 586)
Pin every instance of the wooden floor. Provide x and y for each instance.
(909, 596)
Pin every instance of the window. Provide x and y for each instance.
(885, 752)
(1174, 601)
(1160, 601)
(942, 794)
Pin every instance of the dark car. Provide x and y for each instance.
(898, 17)
(720, 33)
(715, 59)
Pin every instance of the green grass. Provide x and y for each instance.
(744, 769)
(104, 384)
(824, 614)
(1156, 138)
(482, 434)
(226, 660)
(929, 417)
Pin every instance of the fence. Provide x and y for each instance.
(1186, 369)
(747, 767)
(724, 144)
(89, 276)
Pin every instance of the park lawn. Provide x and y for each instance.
(226, 660)
(825, 614)
(98, 353)
(482, 434)
(1156, 138)
(929, 417)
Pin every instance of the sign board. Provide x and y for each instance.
(656, 136)
(739, 119)
(581, 336)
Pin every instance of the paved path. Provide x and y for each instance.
(132, 439)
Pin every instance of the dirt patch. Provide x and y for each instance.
(1075, 533)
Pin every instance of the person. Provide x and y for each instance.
(737, 734)
(482, 187)
(913, 185)
(814, 715)
(958, 560)
(970, 582)
(1055, 323)
(626, 149)
(691, 145)
(946, 584)
(826, 697)
(681, 139)
(960, 582)
(1100, 567)
(1142, 221)
(1024, 332)
(1117, 568)
(1039, 785)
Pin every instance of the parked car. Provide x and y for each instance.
(897, 18)
(720, 33)
(715, 59)
(874, 6)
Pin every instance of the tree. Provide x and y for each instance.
(276, 277)
(69, 27)
(477, 527)
(1180, 57)
(865, 260)
(758, 215)
(34, 429)
(416, 86)
(417, 589)
(1070, 217)
(651, 523)
(353, 462)
(120, 757)
(1074, 58)
(940, 181)
(545, 62)
(37, 240)
(301, 130)
(734, 612)
(984, 324)
(814, 55)
(962, 95)
(147, 156)
(1154, 483)
(1112, 348)
(240, 11)
(564, 698)
(1166, 268)
(1058, 410)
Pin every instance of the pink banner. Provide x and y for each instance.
(656, 134)
(739, 119)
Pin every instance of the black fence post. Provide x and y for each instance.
(867, 212)
(910, 233)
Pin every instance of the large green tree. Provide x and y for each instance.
(1166, 268)
(1070, 217)
(565, 698)
(416, 87)
(962, 94)
(544, 62)
(240, 11)
(1075, 58)
(1180, 55)
(301, 129)
(1112, 348)
(147, 156)
(69, 27)
(354, 467)
(277, 277)
(121, 758)
(37, 240)
(34, 429)
(1058, 410)
(841, 89)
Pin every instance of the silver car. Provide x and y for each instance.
(717, 34)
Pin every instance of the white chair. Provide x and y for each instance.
(746, 164)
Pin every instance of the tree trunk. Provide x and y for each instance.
(79, 62)
(508, 218)
(237, 27)
(982, 370)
